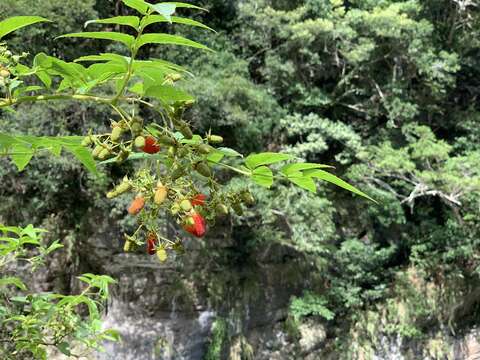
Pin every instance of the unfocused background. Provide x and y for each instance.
(385, 90)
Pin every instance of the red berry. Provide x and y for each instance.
(136, 206)
(151, 145)
(198, 199)
(199, 227)
(151, 243)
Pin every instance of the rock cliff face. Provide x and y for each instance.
(196, 306)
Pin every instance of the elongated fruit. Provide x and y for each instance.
(203, 169)
(195, 225)
(151, 146)
(151, 243)
(160, 195)
(137, 205)
(198, 200)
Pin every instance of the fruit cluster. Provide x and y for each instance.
(177, 179)
(7, 61)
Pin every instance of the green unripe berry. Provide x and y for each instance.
(167, 140)
(4, 73)
(182, 152)
(172, 150)
(87, 141)
(248, 198)
(139, 142)
(237, 208)
(112, 194)
(186, 205)
(177, 173)
(104, 154)
(116, 133)
(204, 149)
(137, 128)
(97, 150)
(215, 139)
(175, 209)
(221, 210)
(122, 156)
(186, 132)
(123, 187)
(203, 169)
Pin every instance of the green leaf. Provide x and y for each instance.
(263, 176)
(139, 5)
(184, 5)
(21, 155)
(107, 57)
(153, 19)
(254, 160)
(293, 168)
(102, 35)
(167, 39)
(13, 281)
(132, 21)
(17, 22)
(229, 152)
(326, 176)
(302, 181)
(112, 335)
(168, 94)
(83, 155)
(64, 348)
(164, 9)
(215, 157)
